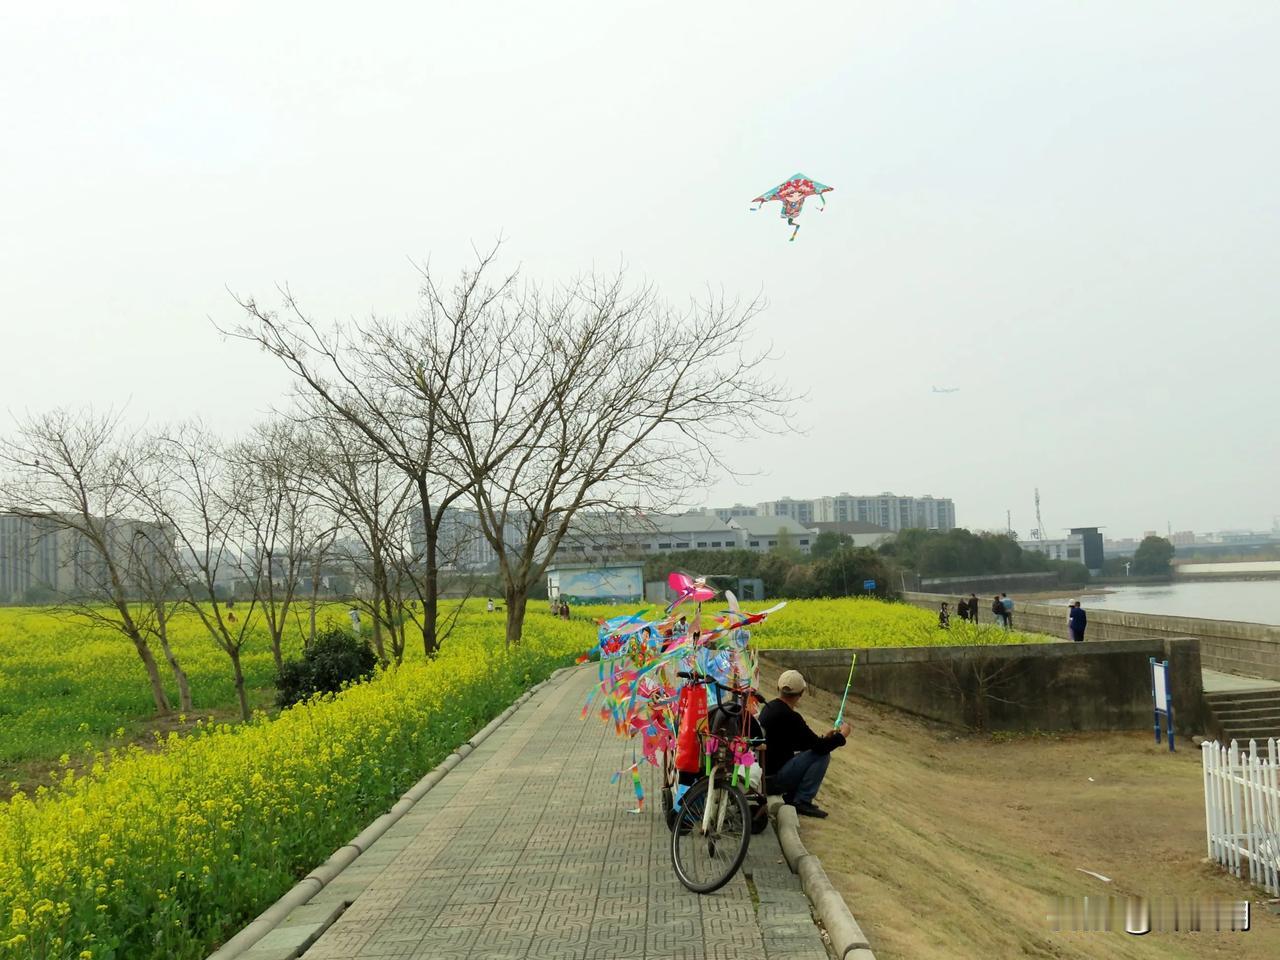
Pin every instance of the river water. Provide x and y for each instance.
(1254, 601)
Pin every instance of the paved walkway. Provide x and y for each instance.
(525, 850)
(1217, 682)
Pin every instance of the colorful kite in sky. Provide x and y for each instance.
(792, 194)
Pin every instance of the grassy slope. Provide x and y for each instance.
(948, 848)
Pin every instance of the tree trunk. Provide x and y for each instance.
(377, 637)
(179, 675)
(315, 589)
(163, 707)
(517, 601)
(430, 597)
(275, 644)
(240, 691)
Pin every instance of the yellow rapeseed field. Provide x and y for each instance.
(161, 853)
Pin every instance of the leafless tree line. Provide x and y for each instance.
(522, 405)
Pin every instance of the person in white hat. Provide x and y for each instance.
(796, 758)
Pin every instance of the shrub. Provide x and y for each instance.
(333, 661)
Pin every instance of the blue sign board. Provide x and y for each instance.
(868, 584)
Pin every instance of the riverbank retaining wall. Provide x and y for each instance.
(1245, 649)
(1021, 687)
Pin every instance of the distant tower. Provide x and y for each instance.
(1008, 521)
(1039, 522)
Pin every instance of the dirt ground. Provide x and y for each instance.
(949, 847)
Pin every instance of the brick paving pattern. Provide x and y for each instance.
(525, 850)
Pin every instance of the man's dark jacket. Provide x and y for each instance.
(1077, 619)
(786, 734)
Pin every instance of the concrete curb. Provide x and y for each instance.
(324, 874)
(848, 942)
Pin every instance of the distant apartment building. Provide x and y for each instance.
(725, 514)
(801, 511)
(886, 511)
(42, 557)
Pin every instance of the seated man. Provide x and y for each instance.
(796, 758)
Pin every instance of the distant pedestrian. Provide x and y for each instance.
(997, 611)
(564, 609)
(962, 609)
(944, 618)
(1076, 621)
(1007, 603)
(973, 608)
(489, 605)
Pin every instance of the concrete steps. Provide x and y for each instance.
(1244, 715)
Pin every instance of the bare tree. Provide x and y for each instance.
(594, 398)
(69, 475)
(370, 499)
(391, 382)
(204, 498)
(159, 588)
(280, 525)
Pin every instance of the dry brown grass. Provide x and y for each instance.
(949, 847)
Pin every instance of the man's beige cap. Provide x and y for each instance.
(791, 681)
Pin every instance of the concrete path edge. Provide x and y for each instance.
(848, 942)
(321, 876)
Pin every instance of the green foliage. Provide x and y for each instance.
(334, 660)
(960, 553)
(65, 683)
(856, 622)
(1154, 557)
(837, 573)
(828, 542)
(1070, 572)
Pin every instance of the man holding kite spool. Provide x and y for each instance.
(796, 758)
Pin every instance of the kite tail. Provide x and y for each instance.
(795, 231)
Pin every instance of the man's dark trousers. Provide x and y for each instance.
(801, 776)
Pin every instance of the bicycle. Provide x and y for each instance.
(711, 830)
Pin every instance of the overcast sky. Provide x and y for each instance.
(1067, 210)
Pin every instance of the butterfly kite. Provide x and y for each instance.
(792, 194)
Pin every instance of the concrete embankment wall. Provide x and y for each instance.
(1246, 649)
(1024, 687)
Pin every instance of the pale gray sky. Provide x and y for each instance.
(1069, 210)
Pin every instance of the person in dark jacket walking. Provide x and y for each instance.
(1076, 621)
(796, 758)
(997, 610)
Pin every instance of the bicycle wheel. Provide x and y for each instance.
(706, 859)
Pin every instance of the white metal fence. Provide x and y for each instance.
(1242, 810)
